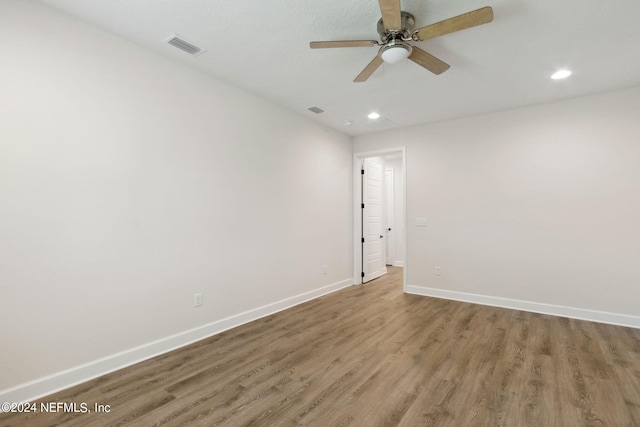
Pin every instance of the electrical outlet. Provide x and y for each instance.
(197, 300)
(438, 270)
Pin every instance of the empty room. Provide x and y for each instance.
(393, 212)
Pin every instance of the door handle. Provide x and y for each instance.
(388, 229)
(381, 236)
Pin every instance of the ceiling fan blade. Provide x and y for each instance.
(391, 17)
(457, 23)
(343, 43)
(428, 61)
(369, 69)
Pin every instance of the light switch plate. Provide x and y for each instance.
(421, 222)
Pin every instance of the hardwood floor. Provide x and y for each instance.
(373, 356)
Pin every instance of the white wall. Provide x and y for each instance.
(128, 183)
(536, 208)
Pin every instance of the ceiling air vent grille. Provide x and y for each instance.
(315, 110)
(182, 44)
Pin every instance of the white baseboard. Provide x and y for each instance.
(535, 307)
(398, 263)
(28, 392)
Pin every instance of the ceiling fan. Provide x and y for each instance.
(396, 30)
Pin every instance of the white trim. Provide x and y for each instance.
(357, 200)
(405, 212)
(397, 263)
(535, 307)
(44, 386)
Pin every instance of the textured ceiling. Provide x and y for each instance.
(263, 47)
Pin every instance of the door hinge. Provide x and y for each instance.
(361, 171)
(363, 240)
(362, 274)
(363, 206)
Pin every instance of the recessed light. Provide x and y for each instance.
(561, 74)
(373, 116)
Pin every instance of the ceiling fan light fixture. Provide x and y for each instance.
(395, 52)
(373, 116)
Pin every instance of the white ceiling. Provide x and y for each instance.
(263, 47)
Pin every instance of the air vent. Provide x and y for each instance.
(182, 44)
(315, 110)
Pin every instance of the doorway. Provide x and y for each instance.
(379, 213)
(373, 211)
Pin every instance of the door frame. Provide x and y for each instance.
(357, 203)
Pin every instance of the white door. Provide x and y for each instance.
(373, 253)
(389, 201)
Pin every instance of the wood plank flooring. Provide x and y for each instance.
(372, 356)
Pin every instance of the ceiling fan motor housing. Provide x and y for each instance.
(408, 22)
